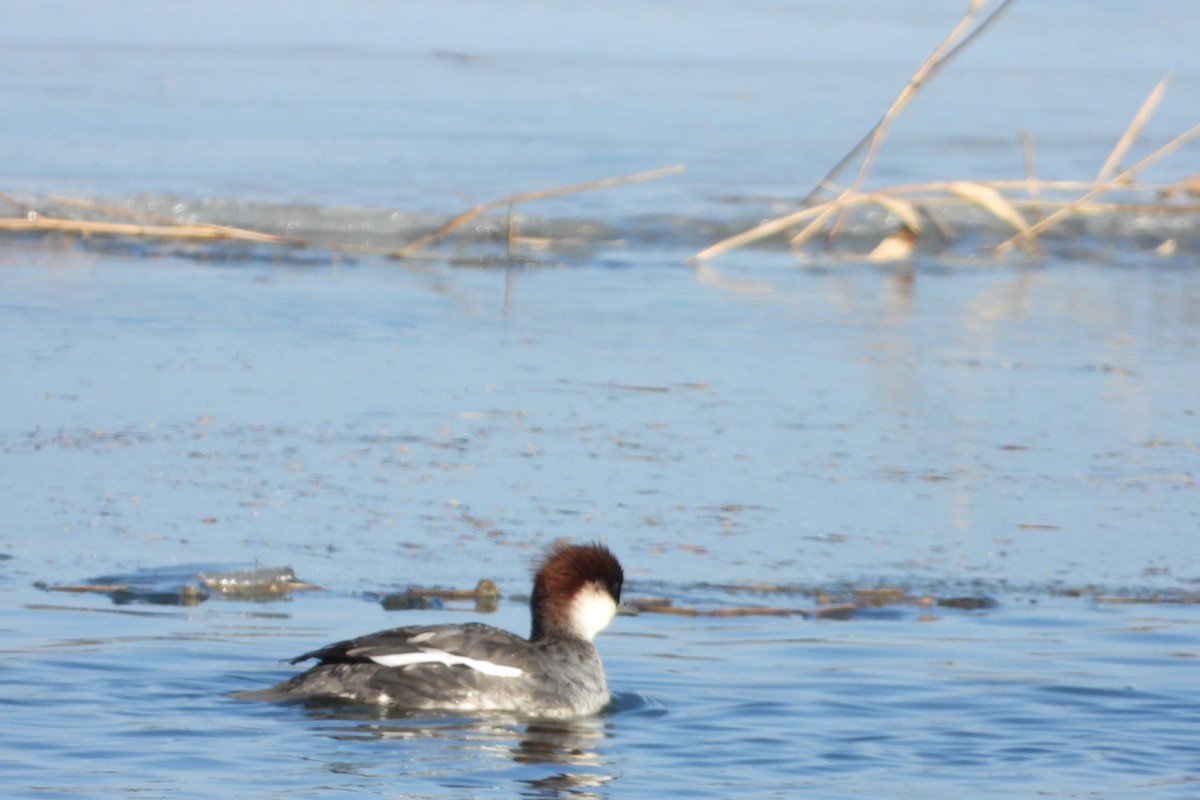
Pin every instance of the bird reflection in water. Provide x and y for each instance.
(463, 745)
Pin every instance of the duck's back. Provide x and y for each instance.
(470, 667)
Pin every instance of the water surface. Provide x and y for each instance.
(1021, 436)
(764, 432)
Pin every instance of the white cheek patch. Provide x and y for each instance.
(450, 660)
(591, 611)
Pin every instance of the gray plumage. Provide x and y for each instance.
(475, 667)
(558, 677)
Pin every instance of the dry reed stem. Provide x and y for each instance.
(1013, 183)
(169, 228)
(934, 191)
(951, 45)
(1081, 208)
(987, 194)
(160, 220)
(925, 70)
(1028, 162)
(1117, 182)
(86, 228)
(760, 231)
(991, 200)
(35, 221)
(836, 169)
(984, 194)
(163, 227)
(474, 211)
(904, 210)
(1131, 133)
(903, 201)
(203, 231)
(81, 588)
(972, 192)
(896, 246)
(511, 237)
(774, 226)
(844, 200)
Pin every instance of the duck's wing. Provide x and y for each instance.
(481, 647)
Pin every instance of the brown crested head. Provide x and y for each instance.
(565, 573)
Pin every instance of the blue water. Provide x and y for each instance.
(1056, 698)
(374, 430)
(761, 433)
(427, 106)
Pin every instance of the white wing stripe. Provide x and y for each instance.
(431, 656)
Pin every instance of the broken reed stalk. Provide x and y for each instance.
(985, 194)
(1120, 181)
(86, 228)
(951, 192)
(959, 37)
(165, 222)
(768, 228)
(1131, 133)
(1027, 159)
(510, 237)
(854, 151)
(163, 227)
(159, 227)
(938, 58)
(927, 68)
(521, 197)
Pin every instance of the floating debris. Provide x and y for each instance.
(485, 596)
(659, 605)
(834, 605)
(663, 605)
(188, 586)
(843, 611)
(1117, 595)
(253, 584)
(1176, 599)
(966, 603)
(878, 598)
(756, 611)
(405, 601)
